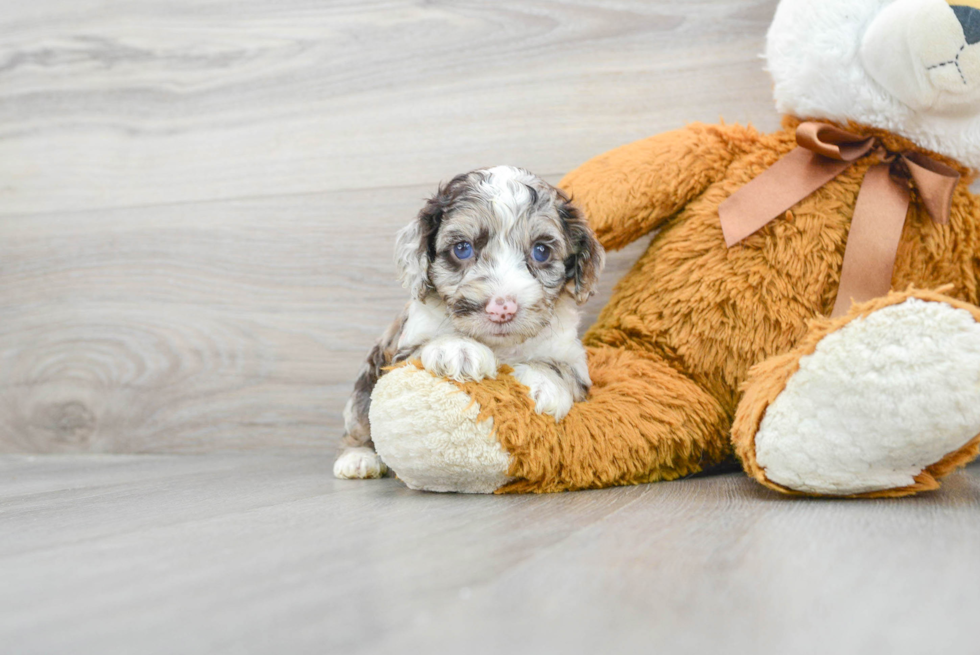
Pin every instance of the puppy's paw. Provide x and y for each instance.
(550, 394)
(459, 359)
(359, 464)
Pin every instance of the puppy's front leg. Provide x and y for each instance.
(459, 358)
(357, 460)
(554, 386)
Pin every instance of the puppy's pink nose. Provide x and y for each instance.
(501, 310)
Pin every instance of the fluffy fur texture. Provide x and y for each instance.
(877, 402)
(671, 352)
(497, 263)
(699, 340)
(768, 380)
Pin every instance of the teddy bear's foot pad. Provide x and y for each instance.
(878, 402)
(426, 431)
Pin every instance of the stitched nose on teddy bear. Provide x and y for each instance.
(501, 309)
(969, 18)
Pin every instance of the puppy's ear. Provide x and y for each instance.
(412, 260)
(415, 245)
(583, 266)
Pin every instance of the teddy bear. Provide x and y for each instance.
(807, 306)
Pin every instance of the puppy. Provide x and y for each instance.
(497, 262)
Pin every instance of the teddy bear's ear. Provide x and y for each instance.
(415, 244)
(583, 266)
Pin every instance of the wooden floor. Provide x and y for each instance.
(265, 554)
(197, 209)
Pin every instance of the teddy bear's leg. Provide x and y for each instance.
(643, 421)
(881, 402)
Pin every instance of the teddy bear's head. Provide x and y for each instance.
(908, 66)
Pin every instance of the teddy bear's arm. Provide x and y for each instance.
(631, 190)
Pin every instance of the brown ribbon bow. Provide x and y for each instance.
(825, 151)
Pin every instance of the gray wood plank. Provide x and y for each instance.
(248, 553)
(159, 102)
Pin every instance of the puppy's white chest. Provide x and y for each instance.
(515, 354)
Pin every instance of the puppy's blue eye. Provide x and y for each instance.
(463, 250)
(541, 252)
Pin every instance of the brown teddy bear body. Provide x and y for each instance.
(671, 353)
(706, 351)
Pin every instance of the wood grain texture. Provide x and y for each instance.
(159, 102)
(198, 200)
(263, 553)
